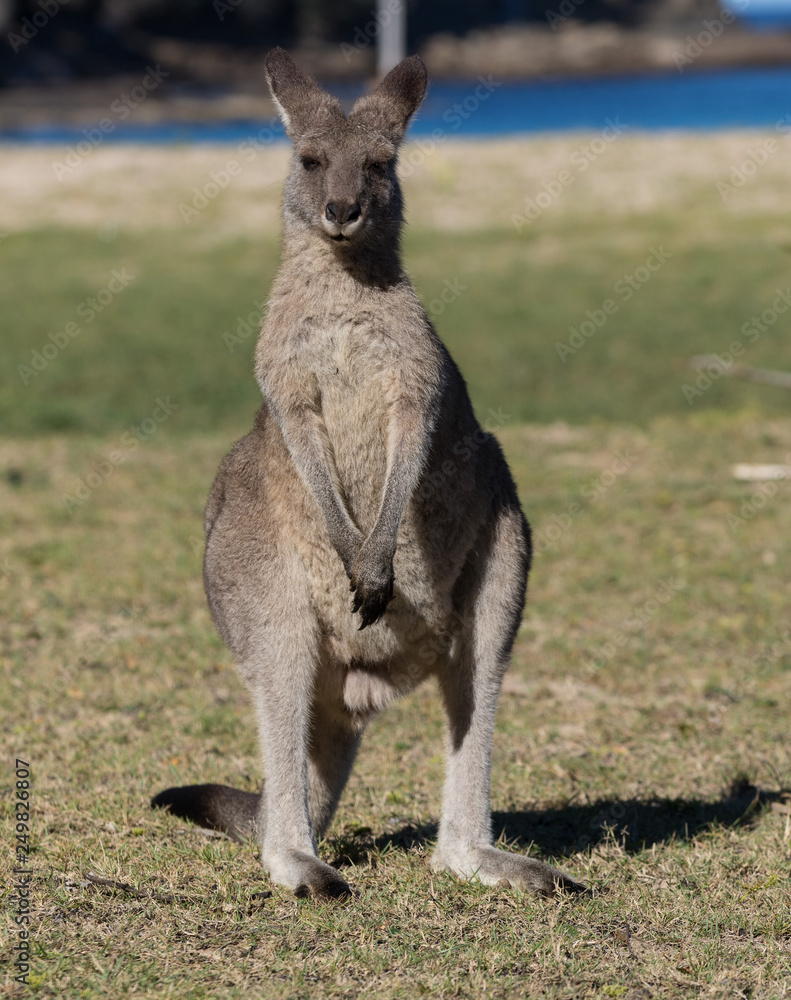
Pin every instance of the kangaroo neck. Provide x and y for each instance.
(354, 262)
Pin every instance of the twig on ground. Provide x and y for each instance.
(765, 375)
(159, 897)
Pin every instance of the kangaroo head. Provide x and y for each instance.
(342, 184)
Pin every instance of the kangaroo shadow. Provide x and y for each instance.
(566, 830)
(634, 823)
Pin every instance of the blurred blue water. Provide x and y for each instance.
(769, 18)
(745, 98)
(710, 100)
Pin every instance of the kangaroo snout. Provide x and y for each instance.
(342, 218)
(342, 212)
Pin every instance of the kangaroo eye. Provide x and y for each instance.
(310, 163)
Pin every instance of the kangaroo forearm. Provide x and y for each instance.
(345, 537)
(397, 492)
(372, 575)
(314, 463)
(410, 436)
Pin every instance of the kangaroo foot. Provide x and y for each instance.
(490, 865)
(305, 875)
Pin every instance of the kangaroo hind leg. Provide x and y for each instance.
(491, 599)
(288, 841)
(333, 747)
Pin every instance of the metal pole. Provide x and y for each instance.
(391, 44)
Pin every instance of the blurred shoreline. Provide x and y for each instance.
(209, 82)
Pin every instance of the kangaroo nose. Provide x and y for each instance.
(342, 211)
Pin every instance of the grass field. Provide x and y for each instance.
(643, 737)
(510, 297)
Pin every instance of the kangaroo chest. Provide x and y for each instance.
(353, 362)
(355, 356)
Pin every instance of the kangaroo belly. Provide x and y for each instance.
(267, 508)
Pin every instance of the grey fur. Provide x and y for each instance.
(358, 475)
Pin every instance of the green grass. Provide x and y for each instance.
(516, 298)
(659, 773)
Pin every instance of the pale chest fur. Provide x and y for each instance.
(350, 366)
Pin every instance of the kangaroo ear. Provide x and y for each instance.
(391, 106)
(302, 104)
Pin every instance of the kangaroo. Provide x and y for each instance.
(365, 472)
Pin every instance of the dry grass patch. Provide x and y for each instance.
(458, 186)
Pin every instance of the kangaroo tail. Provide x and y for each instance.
(217, 807)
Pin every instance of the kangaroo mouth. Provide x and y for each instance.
(343, 233)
